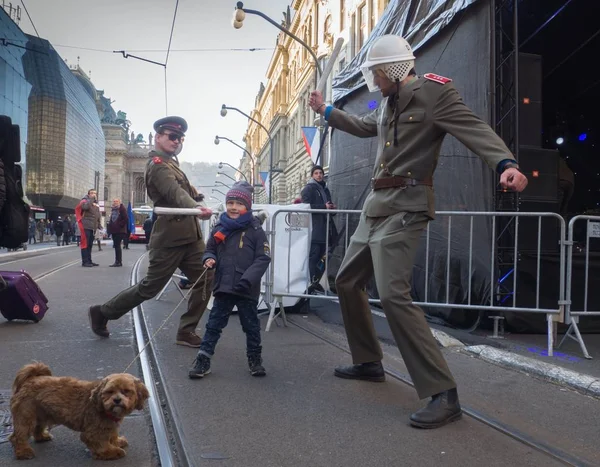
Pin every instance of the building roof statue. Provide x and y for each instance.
(121, 119)
(107, 113)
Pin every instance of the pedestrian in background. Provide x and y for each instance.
(87, 213)
(148, 224)
(98, 236)
(318, 196)
(32, 228)
(58, 230)
(67, 230)
(127, 236)
(117, 228)
(41, 228)
(77, 233)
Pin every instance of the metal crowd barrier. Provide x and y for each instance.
(572, 313)
(275, 295)
(564, 311)
(206, 226)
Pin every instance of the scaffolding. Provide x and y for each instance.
(505, 115)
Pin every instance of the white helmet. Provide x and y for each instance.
(391, 54)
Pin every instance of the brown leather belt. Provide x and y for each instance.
(397, 181)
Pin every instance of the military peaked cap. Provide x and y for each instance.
(176, 124)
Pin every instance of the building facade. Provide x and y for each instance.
(72, 139)
(65, 147)
(126, 160)
(282, 103)
(14, 87)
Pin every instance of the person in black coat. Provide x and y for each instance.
(58, 230)
(148, 224)
(318, 196)
(239, 249)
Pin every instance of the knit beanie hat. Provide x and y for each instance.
(316, 167)
(241, 191)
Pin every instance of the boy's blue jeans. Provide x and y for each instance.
(219, 316)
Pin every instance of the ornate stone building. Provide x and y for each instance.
(126, 159)
(282, 103)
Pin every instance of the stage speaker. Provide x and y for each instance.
(530, 100)
(541, 168)
(530, 227)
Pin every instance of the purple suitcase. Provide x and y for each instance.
(21, 298)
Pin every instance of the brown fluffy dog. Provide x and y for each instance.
(94, 408)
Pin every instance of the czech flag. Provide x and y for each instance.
(312, 142)
(264, 180)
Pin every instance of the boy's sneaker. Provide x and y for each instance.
(255, 365)
(201, 367)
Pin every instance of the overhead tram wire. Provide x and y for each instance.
(167, 57)
(92, 49)
(30, 20)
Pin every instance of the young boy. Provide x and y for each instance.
(238, 247)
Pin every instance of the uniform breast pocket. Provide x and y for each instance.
(413, 116)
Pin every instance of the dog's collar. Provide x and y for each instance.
(112, 417)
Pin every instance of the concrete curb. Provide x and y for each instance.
(445, 340)
(28, 253)
(16, 255)
(580, 382)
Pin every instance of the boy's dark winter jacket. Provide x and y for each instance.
(242, 260)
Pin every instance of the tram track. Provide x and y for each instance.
(507, 430)
(55, 270)
(168, 433)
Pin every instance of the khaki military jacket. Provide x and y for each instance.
(168, 187)
(426, 111)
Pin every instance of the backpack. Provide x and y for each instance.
(14, 216)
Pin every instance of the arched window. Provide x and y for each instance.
(106, 193)
(140, 191)
(327, 36)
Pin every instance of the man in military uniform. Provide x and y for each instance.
(176, 241)
(411, 123)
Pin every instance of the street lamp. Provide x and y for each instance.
(218, 191)
(224, 109)
(228, 176)
(224, 184)
(239, 15)
(217, 140)
(221, 164)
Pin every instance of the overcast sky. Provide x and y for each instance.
(198, 82)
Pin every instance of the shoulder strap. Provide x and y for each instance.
(437, 78)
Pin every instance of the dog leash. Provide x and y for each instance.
(168, 317)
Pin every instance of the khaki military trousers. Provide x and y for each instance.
(163, 263)
(386, 247)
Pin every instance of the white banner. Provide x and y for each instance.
(291, 247)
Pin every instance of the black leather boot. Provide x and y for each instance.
(442, 409)
(372, 371)
(98, 321)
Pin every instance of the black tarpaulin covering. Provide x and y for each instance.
(418, 21)
(462, 181)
